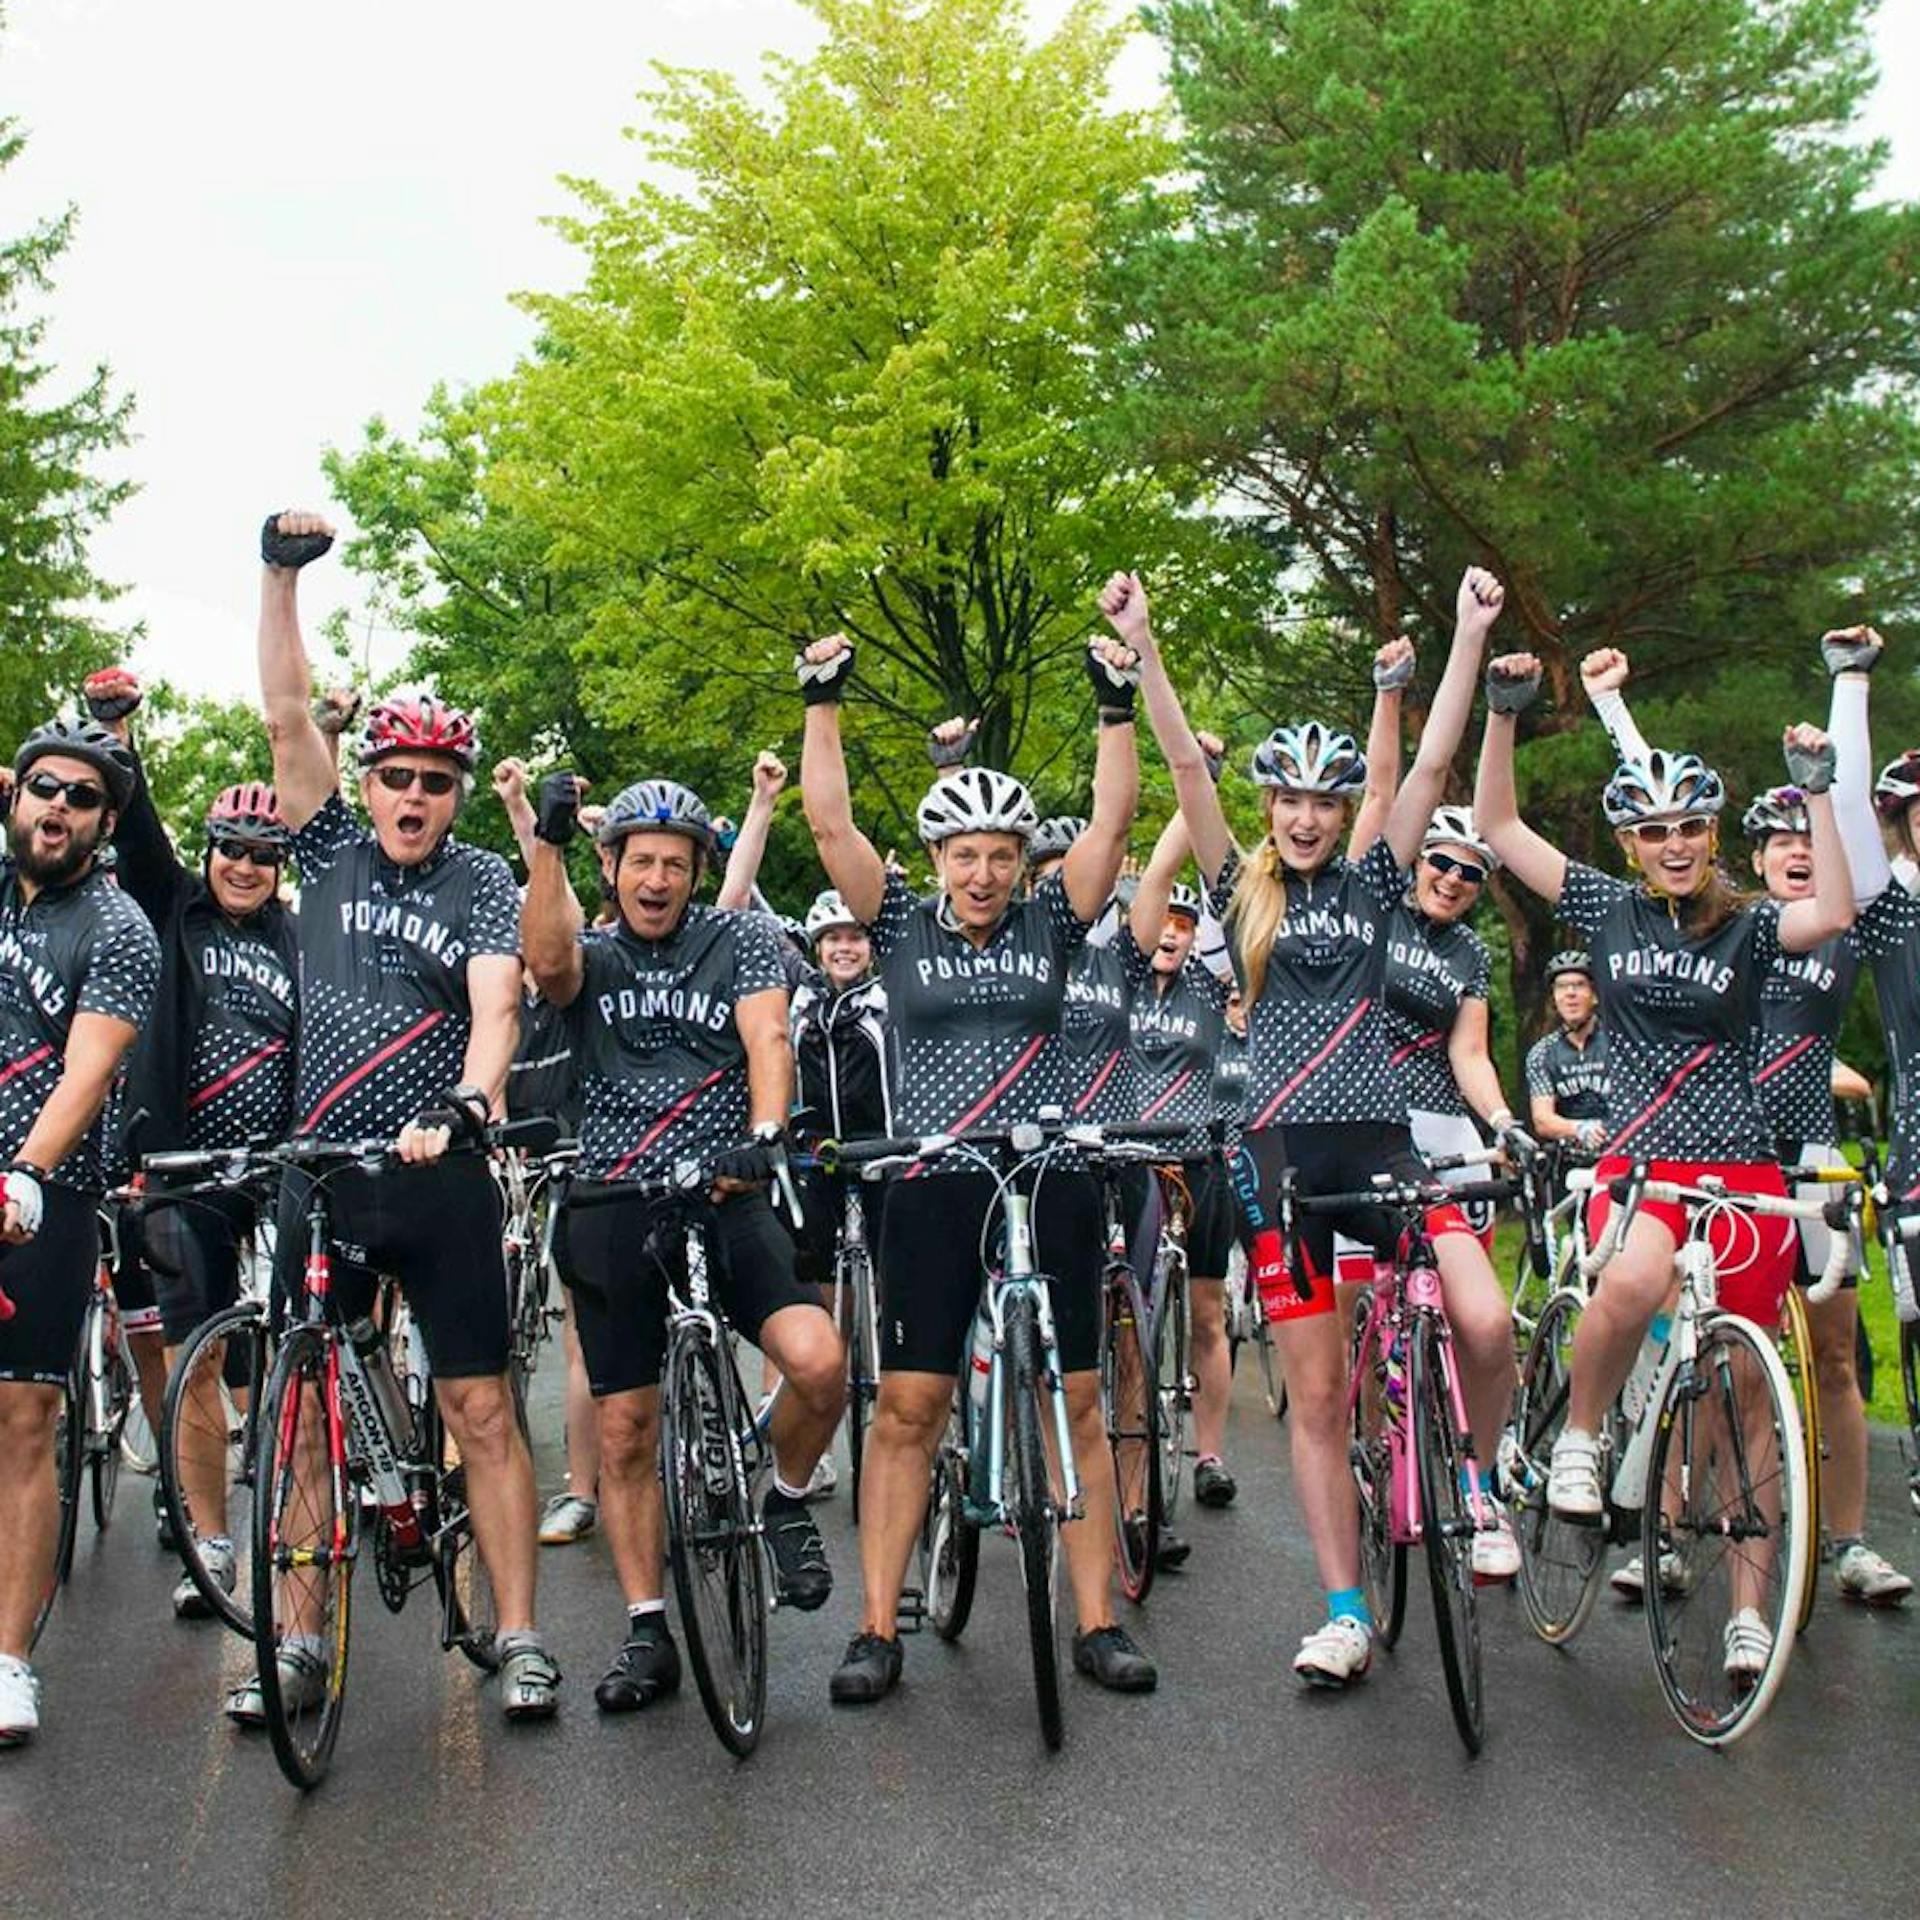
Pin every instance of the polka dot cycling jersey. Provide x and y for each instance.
(1230, 1077)
(1431, 968)
(1681, 1011)
(1802, 1002)
(84, 948)
(240, 1069)
(1178, 1021)
(1102, 982)
(660, 1066)
(1573, 1077)
(976, 1030)
(384, 1012)
(1888, 931)
(1318, 1035)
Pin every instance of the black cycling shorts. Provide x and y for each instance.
(621, 1273)
(47, 1280)
(930, 1276)
(135, 1284)
(194, 1249)
(1211, 1221)
(436, 1229)
(822, 1202)
(1334, 1158)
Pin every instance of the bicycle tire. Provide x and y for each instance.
(863, 1364)
(300, 1410)
(1562, 1566)
(69, 1438)
(1036, 1521)
(1171, 1334)
(949, 1542)
(204, 1413)
(1795, 1344)
(713, 1540)
(469, 1617)
(1273, 1375)
(526, 1322)
(1736, 1390)
(1446, 1528)
(117, 1392)
(1383, 1559)
(1910, 1391)
(1130, 1405)
(1863, 1358)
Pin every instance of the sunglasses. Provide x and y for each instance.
(429, 779)
(261, 856)
(1465, 869)
(1656, 833)
(81, 795)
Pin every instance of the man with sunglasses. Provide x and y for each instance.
(78, 963)
(214, 1068)
(410, 1005)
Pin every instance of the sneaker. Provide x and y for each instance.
(529, 1677)
(1748, 1643)
(1864, 1576)
(823, 1480)
(19, 1702)
(567, 1517)
(870, 1670)
(646, 1669)
(1496, 1553)
(801, 1573)
(1336, 1653)
(1573, 1480)
(163, 1520)
(1108, 1656)
(1213, 1485)
(1630, 1581)
(1174, 1551)
(189, 1603)
(303, 1685)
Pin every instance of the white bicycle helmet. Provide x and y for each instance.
(976, 800)
(1453, 827)
(1778, 810)
(1053, 836)
(1898, 785)
(657, 806)
(828, 911)
(1310, 759)
(1183, 899)
(1661, 787)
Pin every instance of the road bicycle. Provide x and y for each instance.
(1247, 1326)
(526, 1184)
(1130, 1403)
(1554, 1232)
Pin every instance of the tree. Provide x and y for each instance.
(51, 499)
(1587, 291)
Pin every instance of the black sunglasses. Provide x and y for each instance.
(261, 856)
(431, 780)
(1446, 863)
(81, 795)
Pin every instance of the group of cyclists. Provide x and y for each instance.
(1311, 1011)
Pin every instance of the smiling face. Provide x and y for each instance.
(1574, 999)
(978, 873)
(408, 821)
(1306, 828)
(1176, 942)
(52, 840)
(1448, 894)
(653, 876)
(1784, 863)
(239, 886)
(845, 954)
(1676, 856)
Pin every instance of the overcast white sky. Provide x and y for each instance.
(294, 219)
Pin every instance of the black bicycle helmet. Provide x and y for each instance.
(87, 740)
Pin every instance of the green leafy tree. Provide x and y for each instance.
(1590, 291)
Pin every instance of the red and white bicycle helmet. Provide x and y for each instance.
(249, 811)
(419, 723)
(1899, 785)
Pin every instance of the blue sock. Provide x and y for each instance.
(1351, 1603)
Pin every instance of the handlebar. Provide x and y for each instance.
(1408, 1195)
(1028, 1137)
(232, 1165)
(687, 1180)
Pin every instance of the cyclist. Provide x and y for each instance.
(409, 1013)
(1567, 1068)
(1682, 960)
(976, 980)
(214, 1068)
(679, 1019)
(78, 965)
(1311, 931)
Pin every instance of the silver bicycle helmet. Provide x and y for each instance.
(657, 806)
(1310, 759)
(1569, 960)
(89, 742)
(1054, 835)
(828, 911)
(1661, 787)
(1453, 827)
(976, 800)
(1778, 810)
(1183, 899)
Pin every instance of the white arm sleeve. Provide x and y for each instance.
(1210, 943)
(1106, 930)
(1628, 741)
(1852, 788)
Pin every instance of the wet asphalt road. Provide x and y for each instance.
(1228, 1792)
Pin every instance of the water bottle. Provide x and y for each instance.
(1646, 1365)
(980, 1360)
(371, 1346)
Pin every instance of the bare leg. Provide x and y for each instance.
(479, 1416)
(1212, 1366)
(631, 1509)
(909, 1417)
(1315, 1359)
(29, 1508)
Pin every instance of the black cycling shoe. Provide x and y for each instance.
(646, 1669)
(1174, 1551)
(1213, 1485)
(1108, 1656)
(800, 1565)
(163, 1521)
(870, 1671)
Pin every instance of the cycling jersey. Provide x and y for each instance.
(1177, 1023)
(1103, 982)
(80, 948)
(660, 1066)
(840, 1053)
(1802, 1003)
(976, 1030)
(1888, 932)
(1680, 1012)
(1573, 1078)
(540, 1079)
(1230, 1077)
(1431, 968)
(385, 1015)
(1318, 1034)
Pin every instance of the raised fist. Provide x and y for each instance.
(1604, 670)
(1513, 682)
(1478, 603)
(769, 776)
(510, 782)
(1810, 758)
(336, 710)
(1851, 650)
(111, 694)
(1213, 751)
(1123, 600)
(557, 818)
(824, 669)
(949, 744)
(1114, 671)
(1393, 666)
(289, 540)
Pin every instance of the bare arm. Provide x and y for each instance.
(1544, 1111)
(1392, 669)
(1536, 863)
(96, 1045)
(550, 927)
(1472, 1063)
(1093, 861)
(1148, 914)
(493, 998)
(750, 843)
(510, 783)
(852, 864)
(1805, 924)
(303, 766)
(762, 1019)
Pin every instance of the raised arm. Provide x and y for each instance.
(1124, 602)
(510, 785)
(1392, 674)
(1603, 673)
(1093, 861)
(750, 843)
(550, 916)
(1513, 682)
(852, 864)
(150, 870)
(303, 767)
(1148, 914)
(1851, 653)
(1476, 607)
(1805, 924)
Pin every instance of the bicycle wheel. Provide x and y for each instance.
(1171, 1331)
(949, 1541)
(1795, 1343)
(1528, 1299)
(108, 1400)
(713, 1539)
(1446, 1526)
(207, 1432)
(1561, 1565)
(69, 1438)
(526, 1324)
(1732, 1512)
(469, 1618)
(1036, 1520)
(1383, 1560)
(304, 1522)
(863, 1361)
(1863, 1358)
(1910, 1389)
(1132, 1408)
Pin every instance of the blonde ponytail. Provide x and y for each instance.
(1254, 913)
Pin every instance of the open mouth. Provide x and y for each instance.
(1799, 873)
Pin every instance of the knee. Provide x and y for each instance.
(1833, 1368)
(28, 1416)
(479, 1412)
(629, 1441)
(812, 1361)
(909, 1420)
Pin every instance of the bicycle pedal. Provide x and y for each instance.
(910, 1615)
